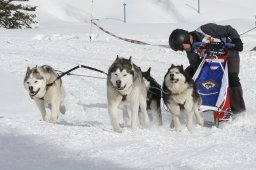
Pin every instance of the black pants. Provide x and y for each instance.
(236, 92)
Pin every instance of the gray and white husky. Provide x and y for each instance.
(46, 90)
(180, 93)
(126, 88)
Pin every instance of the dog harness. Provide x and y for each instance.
(50, 84)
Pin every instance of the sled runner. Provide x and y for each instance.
(211, 79)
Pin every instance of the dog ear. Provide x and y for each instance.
(28, 71)
(36, 69)
(149, 69)
(172, 65)
(117, 58)
(130, 59)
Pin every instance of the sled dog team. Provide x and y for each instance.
(128, 88)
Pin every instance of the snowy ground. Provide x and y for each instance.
(83, 138)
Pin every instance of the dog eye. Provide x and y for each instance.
(27, 82)
(116, 75)
(125, 75)
(35, 82)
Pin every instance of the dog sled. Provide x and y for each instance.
(211, 79)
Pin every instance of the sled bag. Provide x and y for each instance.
(211, 80)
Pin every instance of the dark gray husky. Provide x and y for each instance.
(153, 96)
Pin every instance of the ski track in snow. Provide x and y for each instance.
(83, 138)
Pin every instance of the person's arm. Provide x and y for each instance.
(221, 31)
(194, 61)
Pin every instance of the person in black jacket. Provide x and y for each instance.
(182, 40)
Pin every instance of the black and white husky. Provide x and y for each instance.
(126, 88)
(45, 90)
(153, 96)
(180, 93)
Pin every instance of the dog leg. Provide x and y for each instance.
(62, 109)
(156, 108)
(150, 115)
(55, 109)
(176, 122)
(159, 117)
(125, 116)
(172, 123)
(175, 110)
(112, 111)
(144, 113)
(199, 118)
(135, 114)
(189, 119)
(189, 112)
(41, 107)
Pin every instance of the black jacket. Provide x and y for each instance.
(215, 31)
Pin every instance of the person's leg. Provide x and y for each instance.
(236, 92)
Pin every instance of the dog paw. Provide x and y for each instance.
(178, 129)
(201, 122)
(189, 127)
(52, 120)
(146, 123)
(46, 119)
(118, 130)
(172, 124)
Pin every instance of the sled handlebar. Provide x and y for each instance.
(204, 45)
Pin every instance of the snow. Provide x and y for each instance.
(83, 138)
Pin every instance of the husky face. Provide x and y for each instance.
(121, 79)
(35, 83)
(122, 74)
(175, 79)
(147, 77)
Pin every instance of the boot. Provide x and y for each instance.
(236, 100)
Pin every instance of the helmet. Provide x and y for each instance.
(177, 38)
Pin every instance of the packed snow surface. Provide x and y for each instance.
(83, 138)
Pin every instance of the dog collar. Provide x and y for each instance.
(50, 84)
(124, 97)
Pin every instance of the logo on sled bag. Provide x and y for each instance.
(209, 84)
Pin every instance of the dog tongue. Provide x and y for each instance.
(174, 80)
(33, 93)
(121, 88)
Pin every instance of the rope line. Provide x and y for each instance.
(248, 31)
(126, 39)
(121, 38)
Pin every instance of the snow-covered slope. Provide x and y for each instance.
(83, 138)
(148, 11)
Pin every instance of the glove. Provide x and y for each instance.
(238, 44)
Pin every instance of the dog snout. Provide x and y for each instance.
(30, 88)
(118, 83)
(172, 76)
